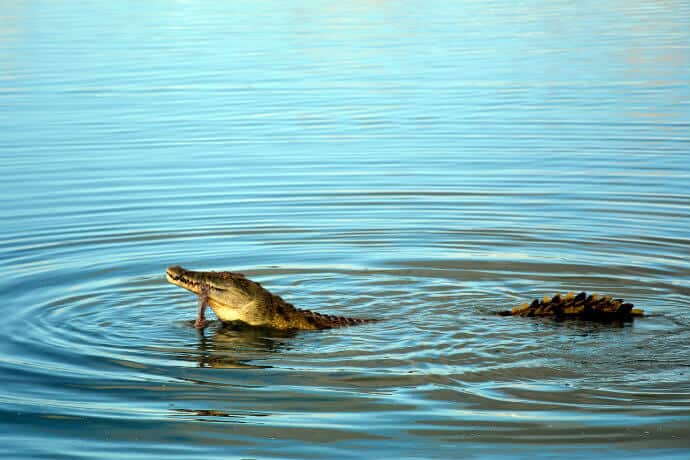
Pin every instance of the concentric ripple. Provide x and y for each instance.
(422, 163)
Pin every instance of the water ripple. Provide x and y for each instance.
(426, 165)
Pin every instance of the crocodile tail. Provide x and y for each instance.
(580, 305)
(324, 321)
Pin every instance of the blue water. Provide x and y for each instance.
(425, 163)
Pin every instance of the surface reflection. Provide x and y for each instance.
(214, 415)
(231, 346)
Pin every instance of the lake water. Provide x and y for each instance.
(425, 163)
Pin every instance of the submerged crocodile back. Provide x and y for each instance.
(579, 306)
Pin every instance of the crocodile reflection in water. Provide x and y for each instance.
(239, 347)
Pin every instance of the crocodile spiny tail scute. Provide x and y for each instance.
(593, 307)
(312, 319)
(324, 321)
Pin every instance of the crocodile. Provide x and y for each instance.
(236, 299)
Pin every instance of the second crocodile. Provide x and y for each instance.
(593, 307)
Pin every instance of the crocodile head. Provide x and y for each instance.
(231, 296)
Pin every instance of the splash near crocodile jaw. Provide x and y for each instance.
(233, 298)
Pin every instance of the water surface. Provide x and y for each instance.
(425, 163)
